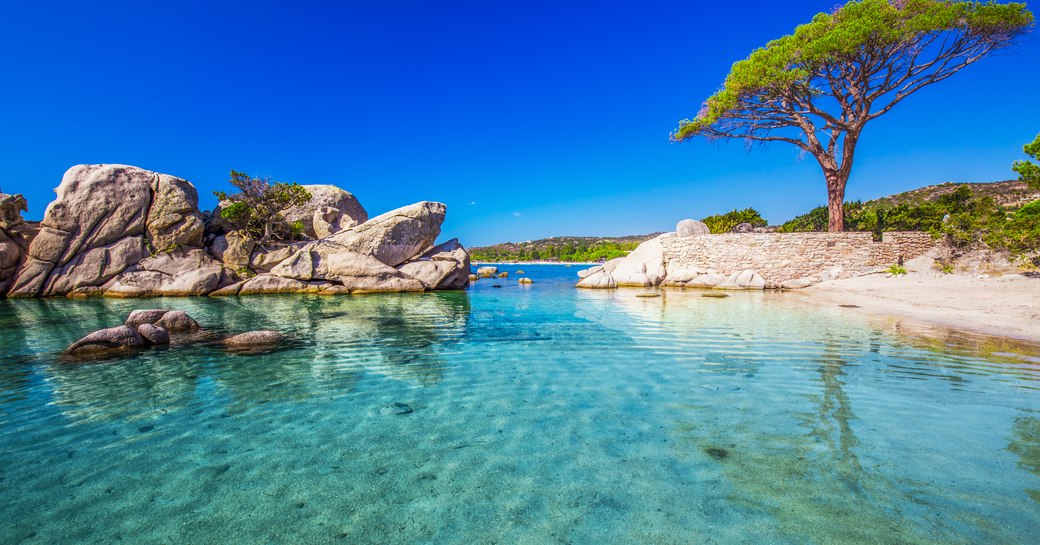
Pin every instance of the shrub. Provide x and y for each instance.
(257, 208)
(724, 223)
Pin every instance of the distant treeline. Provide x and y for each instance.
(563, 249)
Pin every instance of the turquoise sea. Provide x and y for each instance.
(518, 415)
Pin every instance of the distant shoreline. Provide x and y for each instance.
(568, 263)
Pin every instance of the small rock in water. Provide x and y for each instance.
(154, 334)
(715, 294)
(397, 408)
(849, 306)
(252, 339)
(177, 321)
(521, 271)
(107, 340)
(525, 281)
(149, 316)
(717, 452)
(648, 295)
(496, 285)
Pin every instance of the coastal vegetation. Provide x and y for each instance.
(818, 87)
(562, 249)
(725, 223)
(258, 206)
(961, 216)
(1028, 171)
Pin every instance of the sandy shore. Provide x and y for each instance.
(1006, 306)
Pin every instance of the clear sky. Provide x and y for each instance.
(528, 119)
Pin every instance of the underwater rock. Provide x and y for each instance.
(251, 339)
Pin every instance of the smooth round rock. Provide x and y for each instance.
(149, 316)
(154, 334)
(177, 321)
(107, 340)
(251, 339)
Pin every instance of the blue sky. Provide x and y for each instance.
(528, 119)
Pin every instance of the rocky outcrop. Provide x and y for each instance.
(104, 220)
(234, 249)
(642, 268)
(443, 267)
(121, 231)
(648, 266)
(329, 211)
(174, 274)
(15, 236)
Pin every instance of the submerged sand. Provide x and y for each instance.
(1006, 305)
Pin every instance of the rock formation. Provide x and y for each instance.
(691, 228)
(155, 327)
(647, 266)
(121, 231)
(329, 211)
(15, 236)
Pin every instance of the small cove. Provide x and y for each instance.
(520, 414)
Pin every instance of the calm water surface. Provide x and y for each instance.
(515, 415)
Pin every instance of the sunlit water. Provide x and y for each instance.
(515, 415)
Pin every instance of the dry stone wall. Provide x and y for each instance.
(779, 257)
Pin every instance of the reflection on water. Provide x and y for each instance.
(512, 415)
(1026, 444)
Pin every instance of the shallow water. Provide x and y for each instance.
(516, 415)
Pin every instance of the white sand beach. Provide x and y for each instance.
(1007, 305)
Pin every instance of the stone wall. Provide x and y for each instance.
(779, 257)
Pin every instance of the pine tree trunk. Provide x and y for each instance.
(836, 180)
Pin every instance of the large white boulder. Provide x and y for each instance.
(330, 210)
(105, 219)
(172, 274)
(691, 228)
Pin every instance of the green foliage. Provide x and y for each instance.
(831, 46)
(562, 249)
(961, 217)
(295, 230)
(237, 214)
(944, 267)
(257, 208)
(724, 223)
(1028, 171)
(896, 270)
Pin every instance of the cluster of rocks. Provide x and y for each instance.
(154, 327)
(492, 272)
(121, 231)
(647, 266)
